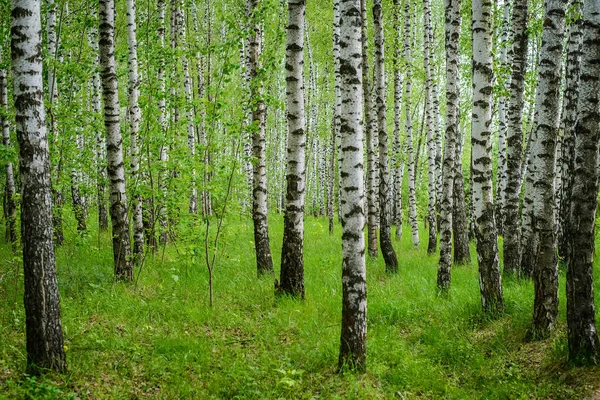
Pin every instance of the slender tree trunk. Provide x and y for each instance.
(134, 114)
(430, 129)
(397, 159)
(292, 252)
(10, 207)
(52, 47)
(369, 130)
(162, 120)
(114, 144)
(44, 337)
(581, 322)
(385, 239)
(514, 139)
(462, 252)
(490, 282)
(545, 276)
(79, 208)
(353, 347)
(452, 12)
(569, 118)
(502, 127)
(331, 178)
(99, 143)
(264, 262)
(412, 199)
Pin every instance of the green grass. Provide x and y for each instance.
(160, 338)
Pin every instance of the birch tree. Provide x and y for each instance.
(353, 346)
(545, 274)
(385, 238)
(292, 253)
(369, 130)
(460, 231)
(114, 144)
(581, 322)
(502, 127)
(452, 26)
(431, 148)
(10, 208)
(100, 147)
(134, 114)
(490, 282)
(397, 158)
(264, 261)
(514, 139)
(569, 118)
(44, 337)
(412, 199)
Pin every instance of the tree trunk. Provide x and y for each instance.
(99, 145)
(397, 159)
(430, 129)
(514, 140)
(369, 130)
(385, 238)
(44, 337)
(462, 252)
(264, 262)
(114, 144)
(162, 120)
(502, 127)
(490, 282)
(52, 48)
(581, 322)
(569, 118)
(10, 207)
(134, 114)
(545, 274)
(353, 347)
(292, 252)
(412, 199)
(452, 11)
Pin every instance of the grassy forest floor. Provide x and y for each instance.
(158, 338)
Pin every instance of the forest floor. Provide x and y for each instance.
(158, 337)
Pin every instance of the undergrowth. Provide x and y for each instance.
(158, 338)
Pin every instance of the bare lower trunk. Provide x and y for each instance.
(569, 118)
(490, 281)
(514, 139)
(264, 261)
(385, 239)
(353, 346)
(292, 253)
(114, 145)
(545, 276)
(44, 337)
(10, 206)
(462, 252)
(369, 130)
(412, 198)
(431, 149)
(582, 334)
(452, 11)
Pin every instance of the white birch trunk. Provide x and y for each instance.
(353, 349)
(135, 115)
(412, 199)
(543, 152)
(292, 253)
(10, 207)
(514, 138)
(44, 338)
(114, 144)
(385, 239)
(490, 281)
